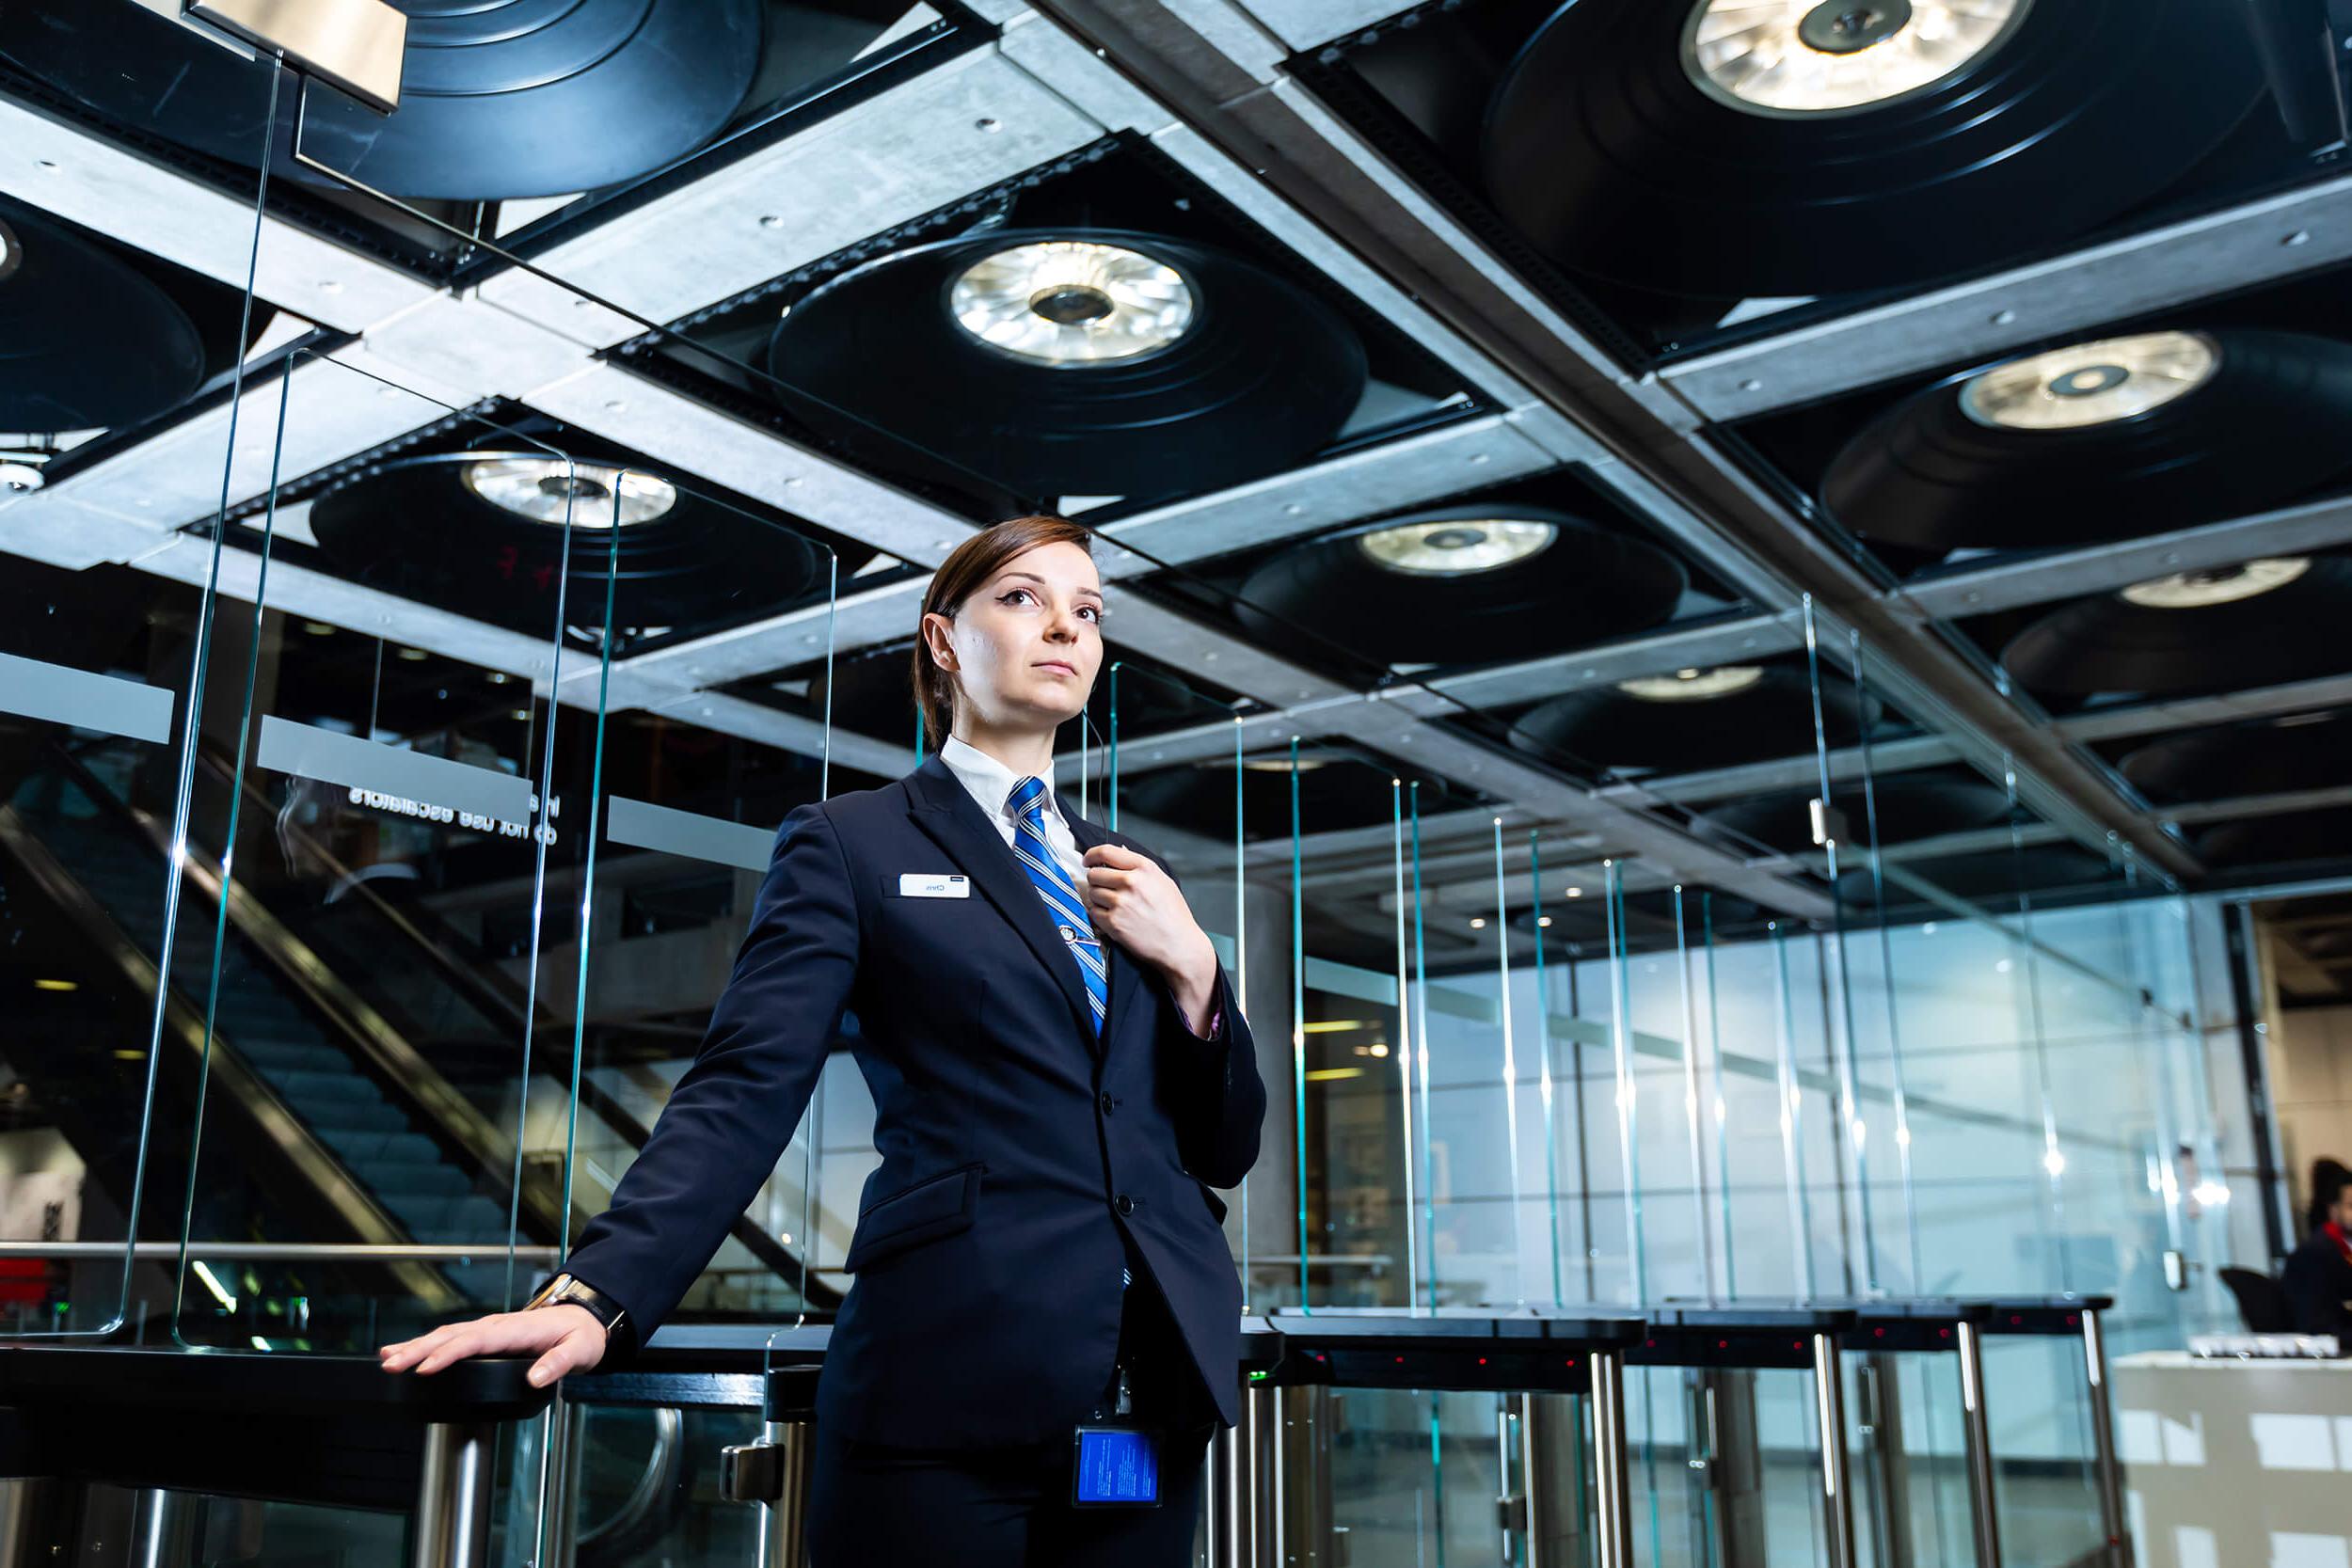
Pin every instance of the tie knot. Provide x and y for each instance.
(1028, 796)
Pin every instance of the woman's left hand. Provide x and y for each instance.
(1138, 906)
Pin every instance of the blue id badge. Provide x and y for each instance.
(1117, 1466)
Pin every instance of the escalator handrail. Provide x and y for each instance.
(399, 1066)
(547, 1053)
(275, 1120)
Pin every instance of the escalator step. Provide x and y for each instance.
(359, 1145)
(412, 1181)
(353, 1116)
(303, 1089)
(282, 1055)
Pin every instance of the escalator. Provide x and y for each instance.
(341, 1111)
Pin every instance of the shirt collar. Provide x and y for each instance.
(989, 781)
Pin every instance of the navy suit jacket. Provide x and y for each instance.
(1016, 1146)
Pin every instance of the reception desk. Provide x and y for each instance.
(2231, 1462)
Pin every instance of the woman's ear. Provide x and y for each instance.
(943, 650)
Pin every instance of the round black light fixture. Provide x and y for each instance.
(1838, 56)
(2267, 757)
(1071, 362)
(2261, 623)
(87, 341)
(1693, 719)
(1463, 585)
(2102, 441)
(1737, 148)
(498, 100)
(1909, 806)
(484, 534)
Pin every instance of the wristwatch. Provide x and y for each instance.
(569, 1290)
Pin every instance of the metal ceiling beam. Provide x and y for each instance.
(2188, 713)
(62, 168)
(2044, 578)
(2163, 269)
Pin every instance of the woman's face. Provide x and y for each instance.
(1026, 645)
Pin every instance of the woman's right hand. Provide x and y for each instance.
(566, 1337)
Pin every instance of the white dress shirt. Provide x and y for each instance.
(990, 782)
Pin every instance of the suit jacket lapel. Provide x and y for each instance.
(944, 809)
(1121, 971)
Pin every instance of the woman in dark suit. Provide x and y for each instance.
(1060, 1075)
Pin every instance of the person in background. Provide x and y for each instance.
(2326, 1173)
(2318, 1276)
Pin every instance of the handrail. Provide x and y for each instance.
(287, 1251)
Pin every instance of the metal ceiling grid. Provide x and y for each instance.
(1043, 51)
(1327, 170)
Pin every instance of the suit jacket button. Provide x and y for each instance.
(1124, 1204)
(1106, 1103)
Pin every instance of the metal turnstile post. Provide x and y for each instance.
(1727, 1462)
(1552, 1480)
(453, 1493)
(1977, 1439)
(1612, 1505)
(774, 1472)
(1303, 1533)
(1828, 1399)
(1230, 1514)
(2107, 1473)
(1259, 1441)
(1879, 1422)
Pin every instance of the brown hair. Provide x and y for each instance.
(967, 567)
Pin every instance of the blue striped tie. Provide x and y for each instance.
(1061, 899)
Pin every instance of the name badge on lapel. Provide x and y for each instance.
(934, 884)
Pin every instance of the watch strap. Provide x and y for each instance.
(569, 1290)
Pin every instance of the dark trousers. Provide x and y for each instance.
(877, 1506)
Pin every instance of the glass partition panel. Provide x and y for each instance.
(129, 298)
(381, 776)
(689, 795)
(1169, 771)
(1404, 1205)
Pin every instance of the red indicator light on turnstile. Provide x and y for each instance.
(1943, 1333)
(2071, 1319)
(1878, 1334)
(1722, 1344)
(1796, 1345)
(1482, 1360)
(2015, 1320)
(1571, 1361)
(1400, 1361)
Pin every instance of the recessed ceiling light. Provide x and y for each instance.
(1800, 57)
(1693, 685)
(415, 656)
(1072, 302)
(585, 494)
(56, 985)
(1478, 923)
(1453, 547)
(10, 251)
(2219, 585)
(2091, 383)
